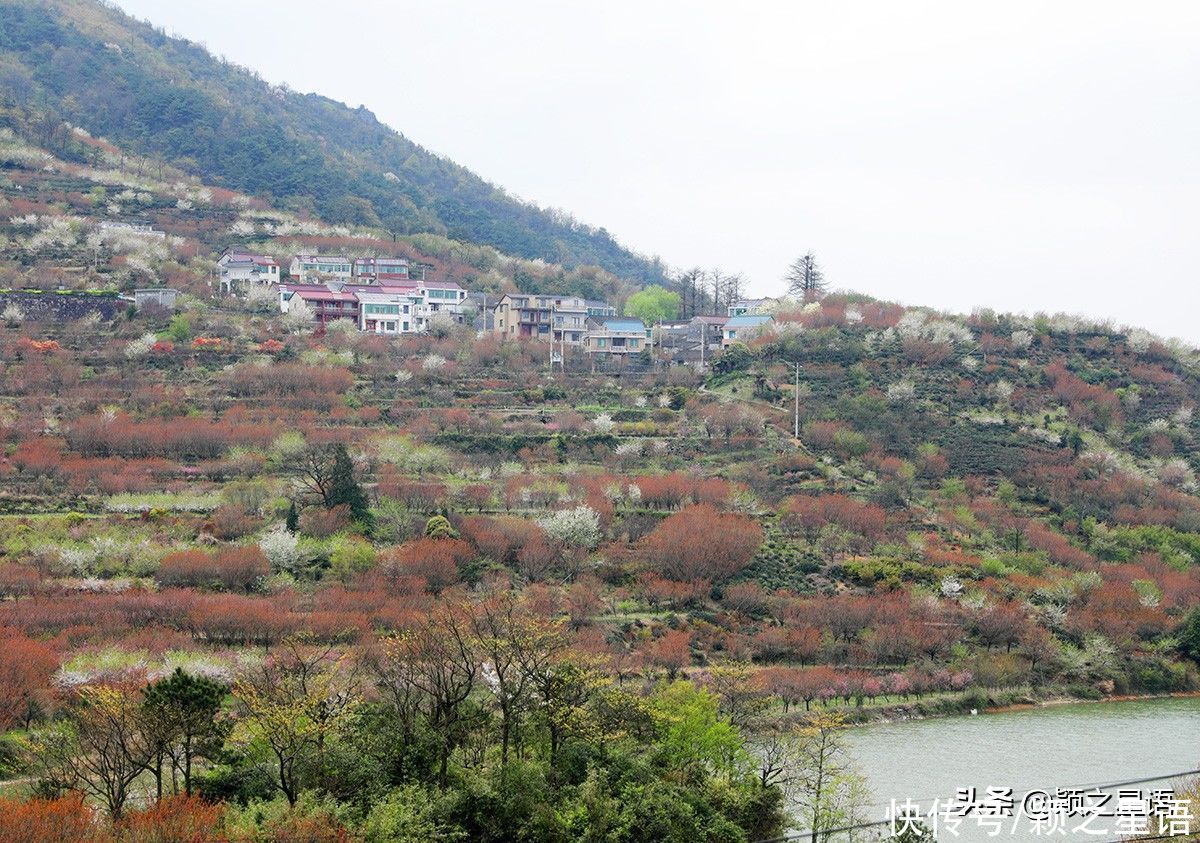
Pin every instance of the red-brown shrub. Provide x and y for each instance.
(64, 820)
(230, 521)
(181, 819)
(702, 542)
(319, 522)
(435, 560)
(809, 513)
(502, 538)
(25, 670)
(231, 569)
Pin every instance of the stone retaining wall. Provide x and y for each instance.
(59, 307)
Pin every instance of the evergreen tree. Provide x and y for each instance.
(1189, 635)
(439, 527)
(181, 713)
(292, 520)
(343, 488)
(805, 278)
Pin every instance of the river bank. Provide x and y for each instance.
(968, 704)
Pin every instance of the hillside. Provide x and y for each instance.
(265, 581)
(61, 216)
(977, 511)
(87, 64)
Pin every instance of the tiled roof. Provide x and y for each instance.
(327, 295)
(243, 257)
(748, 321)
(624, 324)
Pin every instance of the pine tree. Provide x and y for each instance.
(343, 488)
(805, 278)
(439, 527)
(292, 520)
(181, 714)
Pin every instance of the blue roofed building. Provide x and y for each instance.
(744, 328)
(615, 335)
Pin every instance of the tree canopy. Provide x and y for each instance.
(653, 304)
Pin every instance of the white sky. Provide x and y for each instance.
(1019, 155)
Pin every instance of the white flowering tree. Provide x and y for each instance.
(141, 346)
(299, 316)
(282, 550)
(13, 315)
(578, 527)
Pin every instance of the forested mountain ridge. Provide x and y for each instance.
(91, 65)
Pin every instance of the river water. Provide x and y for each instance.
(1074, 745)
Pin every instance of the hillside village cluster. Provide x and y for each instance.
(394, 296)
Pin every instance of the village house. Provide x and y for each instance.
(383, 308)
(241, 271)
(744, 328)
(444, 297)
(560, 319)
(693, 341)
(616, 336)
(313, 269)
(327, 304)
(599, 309)
(380, 270)
(751, 307)
(388, 312)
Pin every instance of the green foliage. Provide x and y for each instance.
(439, 527)
(736, 358)
(408, 815)
(694, 736)
(1189, 635)
(344, 489)
(350, 555)
(179, 330)
(181, 711)
(653, 304)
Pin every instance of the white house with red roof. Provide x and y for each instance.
(383, 308)
(326, 302)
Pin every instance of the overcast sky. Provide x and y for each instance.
(1020, 155)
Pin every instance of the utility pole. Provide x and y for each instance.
(796, 396)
